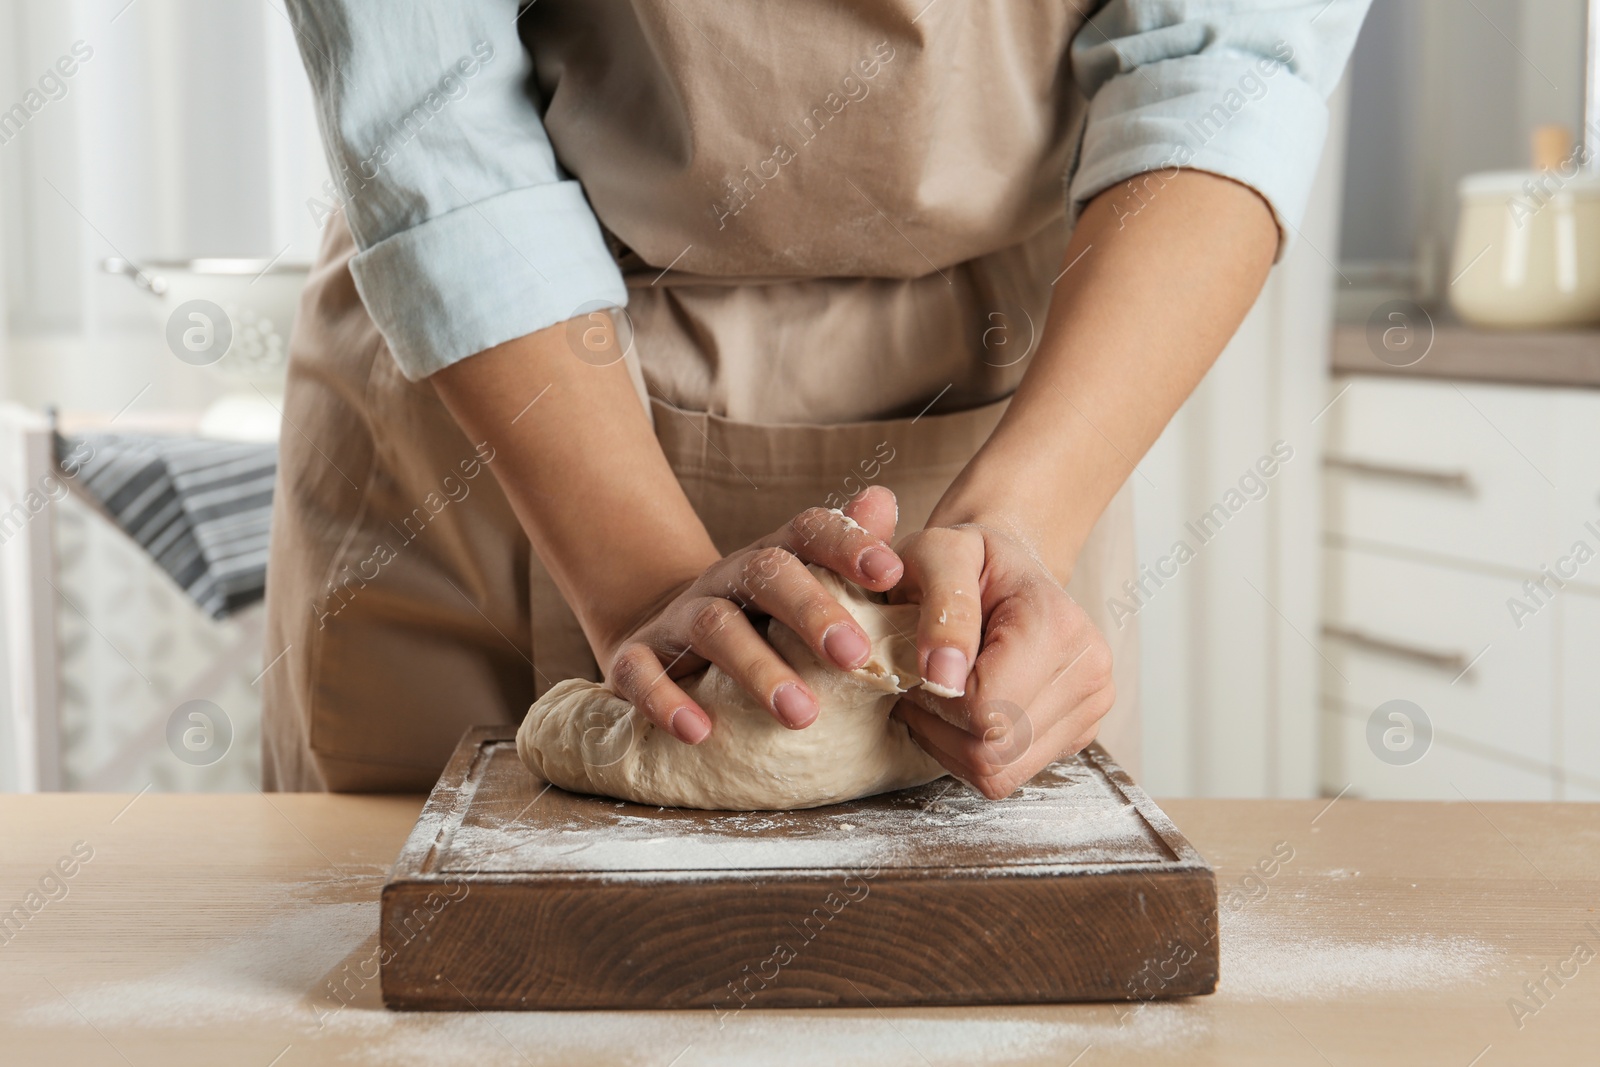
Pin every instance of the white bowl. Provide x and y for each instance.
(258, 296)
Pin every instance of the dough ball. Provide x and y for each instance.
(582, 737)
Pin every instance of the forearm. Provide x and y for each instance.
(583, 472)
(1147, 306)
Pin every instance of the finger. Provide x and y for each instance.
(639, 678)
(945, 576)
(1085, 739)
(952, 710)
(1004, 753)
(917, 724)
(774, 580)
(877, 510)
(1003, 745)
(1011, 672)
(1021, 649)
(1066, 710)
(724, 635)
(951, 748)
(833, 539)
(996, 773)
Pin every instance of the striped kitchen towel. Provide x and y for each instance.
(201, 508)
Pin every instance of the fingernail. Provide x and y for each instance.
(846, 647)
(793, 706)
(688, 727)
(879, 564)
(947, 668)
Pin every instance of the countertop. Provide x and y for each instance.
(242, 930)
(1550, 358)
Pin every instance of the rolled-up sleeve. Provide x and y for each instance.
(469, 233)
(1237, 88)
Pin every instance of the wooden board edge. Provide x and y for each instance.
(446, 800)
(768, 875)
(1159, 822)
(1185, 963)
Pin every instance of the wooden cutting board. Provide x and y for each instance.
(511, 894)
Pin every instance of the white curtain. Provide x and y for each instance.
(187, 131)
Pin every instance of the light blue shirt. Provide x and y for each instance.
(470, 234)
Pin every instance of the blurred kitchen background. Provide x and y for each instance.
(1400, 609)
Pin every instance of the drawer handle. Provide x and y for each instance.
(1455, 663)
(1457, 481)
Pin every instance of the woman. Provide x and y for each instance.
(848, 259)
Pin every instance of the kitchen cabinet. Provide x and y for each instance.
(1462, 573)
(1452, 470)
(1578, 726)
(1438, 636)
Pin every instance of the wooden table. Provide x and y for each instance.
(242, 930)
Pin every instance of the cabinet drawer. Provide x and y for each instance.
(1579, 730)
(1461, 470)
(1437, 776)
(1579, 423)
(1397, 629)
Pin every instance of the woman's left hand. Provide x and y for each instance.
(1025, 675)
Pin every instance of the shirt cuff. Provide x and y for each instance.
(1243, 117)
(487, 273)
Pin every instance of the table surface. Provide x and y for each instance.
(243, 930)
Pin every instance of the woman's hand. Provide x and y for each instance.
(1131, 330)
(707, 618)
(1019, 675)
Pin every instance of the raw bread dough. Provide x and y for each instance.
(582, 737)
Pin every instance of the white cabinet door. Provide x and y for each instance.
(1579, 475)
(1578, 727)
(1399, 629)
(1446, 772)
(1464, 471)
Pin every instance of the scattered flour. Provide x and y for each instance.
(1264, 959)
(268, 980)
(269, 975)
(1079, 819)
(836, 1038)
(271, 978)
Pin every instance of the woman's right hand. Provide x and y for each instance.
(708, 619)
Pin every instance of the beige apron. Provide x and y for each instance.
(838, 227)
